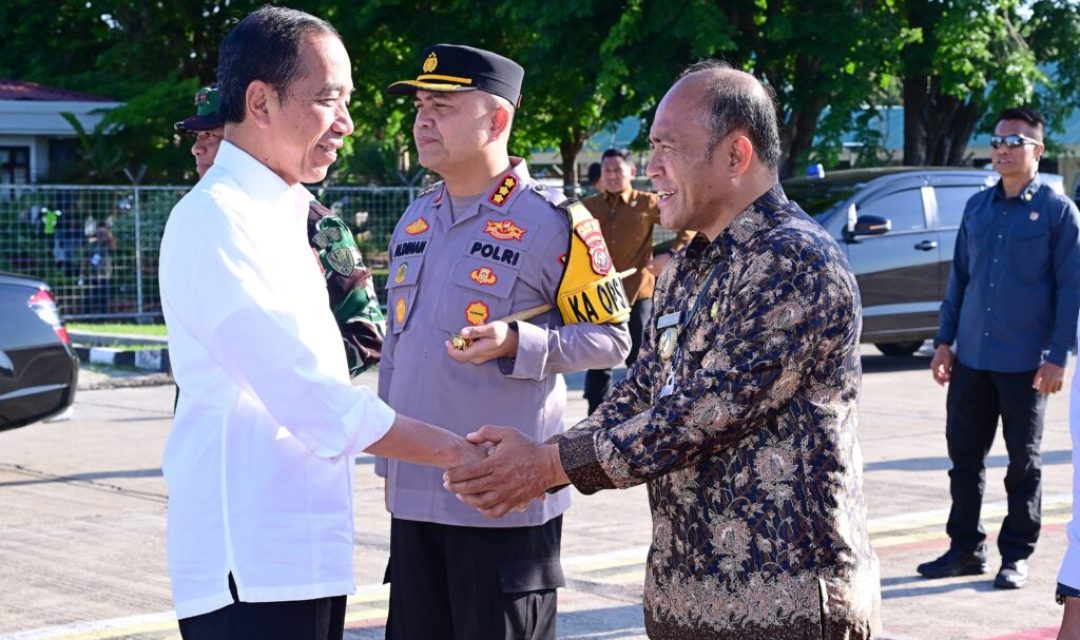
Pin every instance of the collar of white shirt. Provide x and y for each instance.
(258, 180)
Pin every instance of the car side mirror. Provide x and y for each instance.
(871, 226)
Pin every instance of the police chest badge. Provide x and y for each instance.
(504, 230)
(484, 276)
(399, 311)
(416, 227)
(477, 313)
(402, 271)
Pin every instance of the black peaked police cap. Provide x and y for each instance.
(455, 67)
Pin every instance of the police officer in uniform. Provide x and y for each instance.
(348, 282)
(485, 243)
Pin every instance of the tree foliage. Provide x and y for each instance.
(588, 63)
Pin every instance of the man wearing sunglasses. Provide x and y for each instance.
(1010, 314)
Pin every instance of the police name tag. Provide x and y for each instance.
(669, 320)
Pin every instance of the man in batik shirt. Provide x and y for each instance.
(740, 412)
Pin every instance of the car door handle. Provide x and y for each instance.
(926, 245)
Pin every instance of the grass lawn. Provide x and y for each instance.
(157, 330)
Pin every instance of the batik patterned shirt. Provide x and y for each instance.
(747, 440)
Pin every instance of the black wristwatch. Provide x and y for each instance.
(1065, 591)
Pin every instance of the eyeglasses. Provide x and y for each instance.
(1011, 141)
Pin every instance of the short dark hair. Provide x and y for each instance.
(736, 104)
(264, 46)
(595, 170)
(616, 153)
(1030, 116)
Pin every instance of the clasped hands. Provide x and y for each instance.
(515, 471)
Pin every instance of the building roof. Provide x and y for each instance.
(32, 91)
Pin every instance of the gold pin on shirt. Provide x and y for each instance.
(714, 310)
(462, 343)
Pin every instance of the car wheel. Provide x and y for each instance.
(899, 349)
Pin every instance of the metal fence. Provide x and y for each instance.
(97, 246)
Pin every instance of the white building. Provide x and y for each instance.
(33, 134)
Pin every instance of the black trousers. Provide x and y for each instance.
(976, 399)
(321, 619)
(473, 583)
(598, 381)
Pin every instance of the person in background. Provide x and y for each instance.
(1011, 309)
(627, 218)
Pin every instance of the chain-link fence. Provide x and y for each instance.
(97, 246)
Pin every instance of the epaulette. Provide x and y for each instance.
(430, 189)
(553, 196)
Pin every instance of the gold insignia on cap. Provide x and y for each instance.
(431, 63)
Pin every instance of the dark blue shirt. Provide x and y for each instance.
(1014, 289)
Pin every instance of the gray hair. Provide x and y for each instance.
(736, 100)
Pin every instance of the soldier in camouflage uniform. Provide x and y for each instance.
(348, 281)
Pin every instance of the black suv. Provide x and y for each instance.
(898, 227)
(39, 370)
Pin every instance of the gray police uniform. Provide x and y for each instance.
(505, 253)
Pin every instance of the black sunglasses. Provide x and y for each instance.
(1011, 141)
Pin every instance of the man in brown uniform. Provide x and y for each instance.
(627, 217)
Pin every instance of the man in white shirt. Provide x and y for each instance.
(259, 463)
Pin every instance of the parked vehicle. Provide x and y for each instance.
(898, 227)
(39, 370)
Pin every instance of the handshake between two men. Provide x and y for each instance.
(515, 471)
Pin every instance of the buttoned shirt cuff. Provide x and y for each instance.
(532, 352)
(1065, 591)
(577, 454)
(368, 421)
(1058, 356)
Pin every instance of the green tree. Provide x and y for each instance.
(976, 57)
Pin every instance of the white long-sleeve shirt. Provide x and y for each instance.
(259, 463)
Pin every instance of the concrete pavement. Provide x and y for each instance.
(83, 504)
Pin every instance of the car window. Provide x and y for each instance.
(951, 202)
(903, 208)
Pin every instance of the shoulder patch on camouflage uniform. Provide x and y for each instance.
(337, 249)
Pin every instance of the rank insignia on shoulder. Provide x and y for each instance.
(503, 191)
(430, 188)
(477, 313)
(483, 275)
(399, 310)
(416, 227)
(504, 230)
